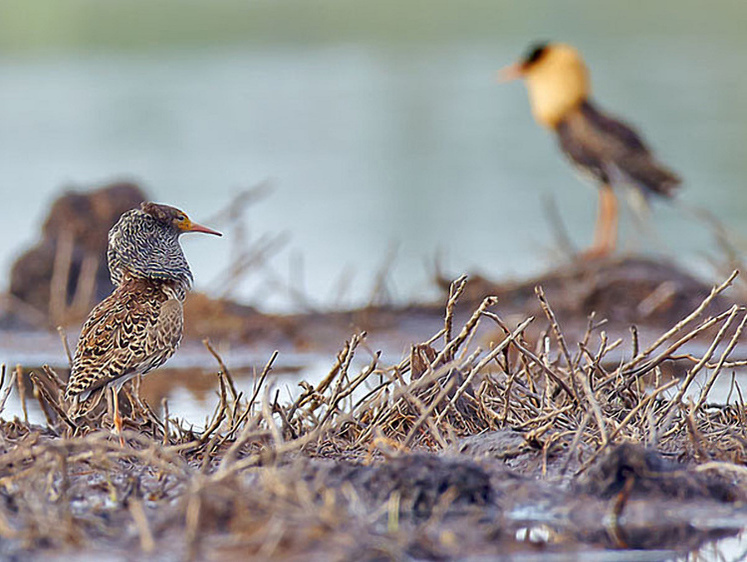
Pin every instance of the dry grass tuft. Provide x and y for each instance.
(359, 464)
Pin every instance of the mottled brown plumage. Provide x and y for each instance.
(139, 326)
(131, 332)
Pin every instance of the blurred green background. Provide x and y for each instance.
(379, 123)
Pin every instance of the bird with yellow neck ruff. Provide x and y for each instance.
(608, 150)
(139, 326)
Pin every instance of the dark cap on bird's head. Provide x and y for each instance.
(534, 53)
(171, 216)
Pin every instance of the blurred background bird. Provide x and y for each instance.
(139, 325)
(600, 146)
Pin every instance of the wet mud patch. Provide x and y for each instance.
(420, 482)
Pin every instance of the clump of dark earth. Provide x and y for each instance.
(80, 219)
(420, 480)
(625, 290)
(657, 513)
(652, 475)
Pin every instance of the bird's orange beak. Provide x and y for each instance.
(194, 227)
(510, 73)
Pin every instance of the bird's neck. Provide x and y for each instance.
(142, 248)
(554, 95)
(173, 289)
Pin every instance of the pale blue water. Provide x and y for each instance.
(373, 144)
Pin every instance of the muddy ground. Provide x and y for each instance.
(517, 424)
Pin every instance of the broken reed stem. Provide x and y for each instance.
(551, 415)
(573, 448)
(532, 357)
(347, 352)
(407, 393)
(7, 388)
(257, 387)
(719, 366)
(715, 291)
(339, 392)
(665, 417)
(626, 420)
(584, 340)
(453, 345)
(481, 365)
(428, 412)
(668, 352)
(22, 393)
(65, 345)
(224, 369)
(147, 543)
(455, 291)
(165, 408)
(63, 257)
(277, 435)
(597, 411)
(220, 412)
(85, 284)
(558, 336)
(262, 378)
(54, 377)
(539, 291)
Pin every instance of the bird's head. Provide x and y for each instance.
(556, 77)
(174, 218)
(145, 243)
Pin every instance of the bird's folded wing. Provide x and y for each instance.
(130, 332)
(612, 151)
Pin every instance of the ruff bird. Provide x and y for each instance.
(139, 325)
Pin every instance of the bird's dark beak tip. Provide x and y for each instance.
(204, 229)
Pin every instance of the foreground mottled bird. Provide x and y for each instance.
(611, 152)
(139, 326)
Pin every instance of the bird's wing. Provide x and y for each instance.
(612, 151)
(579, 143)
(620, 136)
(167, 335)
(122, 337)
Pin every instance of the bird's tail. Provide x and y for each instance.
(652, 176)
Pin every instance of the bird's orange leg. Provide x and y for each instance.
(117, 416)
(605, 232)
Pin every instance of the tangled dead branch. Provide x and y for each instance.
(257, 478)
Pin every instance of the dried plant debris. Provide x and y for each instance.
(471, 445)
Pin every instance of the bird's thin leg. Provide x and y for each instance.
(117, 416)
(607, 226)
(605, 232)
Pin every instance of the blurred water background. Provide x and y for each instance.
(379, 124)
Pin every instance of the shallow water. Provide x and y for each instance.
(379, 128)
